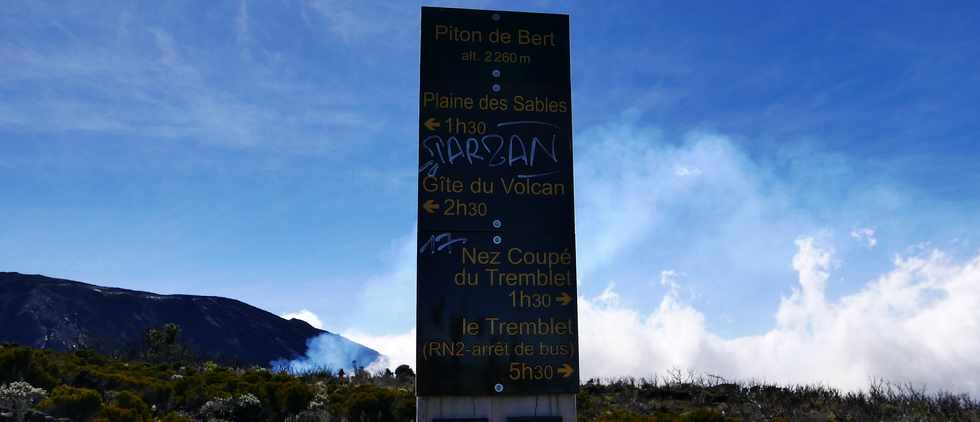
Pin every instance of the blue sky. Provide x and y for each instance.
(266, 151)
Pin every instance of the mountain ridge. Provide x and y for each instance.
(62, 314)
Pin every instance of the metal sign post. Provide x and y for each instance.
(497, 320)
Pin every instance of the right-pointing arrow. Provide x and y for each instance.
(564, 299)
(566, 371)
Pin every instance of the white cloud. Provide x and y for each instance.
(866, 235)
(668, 279)
(305, 315)
(608, 295)
(386, 304)
(386, 300)
(241, 22)
(396, 349)
(631, 195)
(917, 323)
(735, 218)
(686, 171)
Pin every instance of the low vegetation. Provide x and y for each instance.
(86, 386)
(163, 383)
(692, 397)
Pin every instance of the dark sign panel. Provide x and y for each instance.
(496, 233)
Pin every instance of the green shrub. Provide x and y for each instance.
(90, 357)
(176, 417)
(163, 345)
(246, 407)
(129, 380)
(281, 399)
(129, 401)
(24, 364)
(702, 415)
(403, 408)
(192, 392)
(87, 377)
(296, 397)
(157, 392)
(78, 404)
(626, 416)
(242, 408)
(113, 413)
(371, 404)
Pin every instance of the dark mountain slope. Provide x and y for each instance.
(58, 314)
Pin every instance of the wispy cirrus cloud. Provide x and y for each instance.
(384, 21)
(865, 235)
(354, 21)
(127, 73)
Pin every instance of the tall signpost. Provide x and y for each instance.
(497, 321)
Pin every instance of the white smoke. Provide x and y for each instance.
(396, 349)
(329, 352)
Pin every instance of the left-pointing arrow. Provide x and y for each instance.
(430, 206)
(432, 124)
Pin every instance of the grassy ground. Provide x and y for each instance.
(86, 386)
